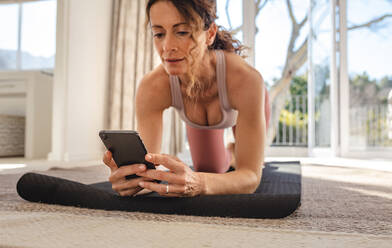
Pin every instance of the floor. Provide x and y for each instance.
(340, 207)
(20, 164)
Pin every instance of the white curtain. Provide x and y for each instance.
(132, 56)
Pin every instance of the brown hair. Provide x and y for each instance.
(200, 14)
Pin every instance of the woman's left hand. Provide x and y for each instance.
(182, 181)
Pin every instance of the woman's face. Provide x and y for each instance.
(172, 38)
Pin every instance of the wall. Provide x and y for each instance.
(81, 74)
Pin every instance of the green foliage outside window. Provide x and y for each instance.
(367, 95)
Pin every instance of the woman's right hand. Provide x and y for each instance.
(120, 184)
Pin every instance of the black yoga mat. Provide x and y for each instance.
(278, 195)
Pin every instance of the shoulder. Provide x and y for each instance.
(245, 85)
(154, 89)
(155, 80)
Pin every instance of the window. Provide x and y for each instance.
(370, 80)
(9, 36)
(321, 61)
(29, 36)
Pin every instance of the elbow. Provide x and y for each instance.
(254, 185)
(253, 181)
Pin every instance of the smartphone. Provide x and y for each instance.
(126, 147)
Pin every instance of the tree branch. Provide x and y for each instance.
(303, 22)
(227, 13)
(370, 23)
(290, 9)
(302, 49)
(294, 31)
(299, 58)
(260, 6)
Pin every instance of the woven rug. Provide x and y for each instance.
(345, 207)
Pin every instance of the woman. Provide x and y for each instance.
(203, 76)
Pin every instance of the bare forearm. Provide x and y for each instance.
(235, 182)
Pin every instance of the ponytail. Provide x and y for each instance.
(224, 40)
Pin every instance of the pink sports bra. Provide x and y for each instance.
(229, 115)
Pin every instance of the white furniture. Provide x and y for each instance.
(29, 94)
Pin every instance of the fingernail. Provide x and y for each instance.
(142, 167)
(141, 184)
(148, 157)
